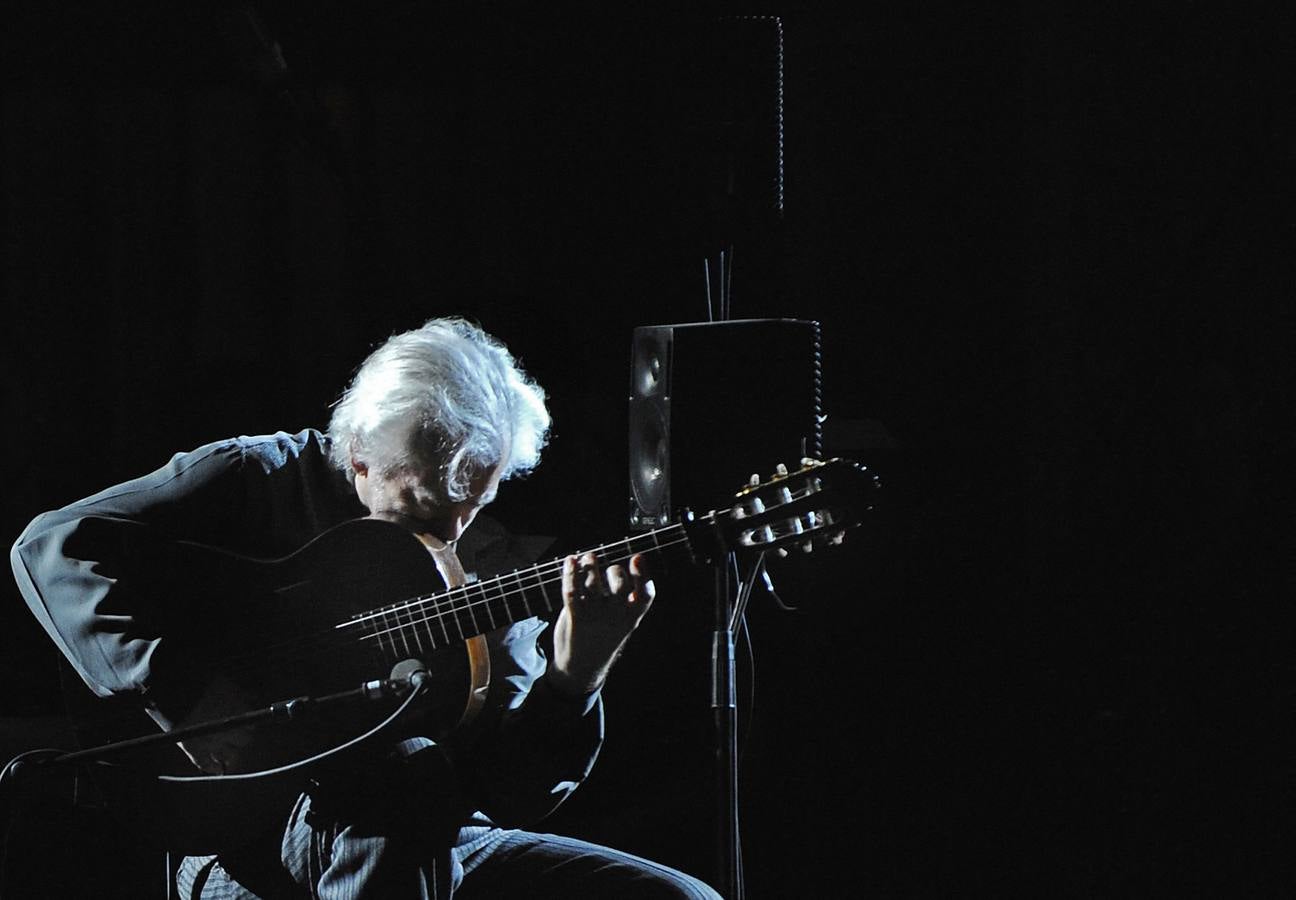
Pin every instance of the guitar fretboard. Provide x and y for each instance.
(428, 623)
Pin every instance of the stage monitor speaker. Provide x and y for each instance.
(711, 403)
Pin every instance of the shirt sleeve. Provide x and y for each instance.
(86, 572)
(541, 745)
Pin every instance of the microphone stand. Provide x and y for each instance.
(281, 711)
(724, 691)
(724, 705)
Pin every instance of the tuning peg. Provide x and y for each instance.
(836, 538)
(780, 470)
(754, 480)
(782, 552)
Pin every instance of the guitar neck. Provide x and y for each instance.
(452, 617)
(817, 503)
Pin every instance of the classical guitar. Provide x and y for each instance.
(346, 614)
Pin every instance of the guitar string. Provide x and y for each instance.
(440, 616)
(456, 599)
(540, 572)
(539, 569)
(301, 646)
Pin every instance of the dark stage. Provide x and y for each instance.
(1049, 249)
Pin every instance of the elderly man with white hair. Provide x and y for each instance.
(432, 424)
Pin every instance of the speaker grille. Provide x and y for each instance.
(713, 402)
(648, 364)
(650, 463)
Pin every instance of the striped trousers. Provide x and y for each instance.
(321, 858)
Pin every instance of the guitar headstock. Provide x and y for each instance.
(806, 508)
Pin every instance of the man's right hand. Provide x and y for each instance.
(221, 752)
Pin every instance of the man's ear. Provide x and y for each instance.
(358, 467)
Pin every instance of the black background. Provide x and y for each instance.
(1049, 246)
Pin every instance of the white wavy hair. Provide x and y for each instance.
(446, 397)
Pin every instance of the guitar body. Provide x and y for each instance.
(308, 625)
(284, 631)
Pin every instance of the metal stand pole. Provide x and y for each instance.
(724, 704)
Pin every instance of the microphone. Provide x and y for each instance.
(412, 673)
(406, 675)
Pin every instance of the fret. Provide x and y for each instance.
(437, 614)
(467, 604)
(499, 604)
(544, 593)
(400, 642)
(522, 593)
(400, 631)
(371, 626)
(486, 594)
(425, 619)
(392, 625)
(502, 591)
(384, 631)
(412, 626)
(406, 632)
(445, 613)
(453, 604)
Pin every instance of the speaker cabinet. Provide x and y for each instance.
(711, 403)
